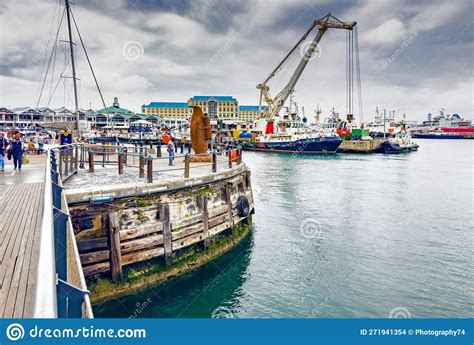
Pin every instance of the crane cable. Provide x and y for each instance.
(359, 82)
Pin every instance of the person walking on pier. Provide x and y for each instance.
(3, 149)
(184, 140)
(17, 148)
(170, 148)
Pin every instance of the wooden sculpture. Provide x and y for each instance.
(200, 134)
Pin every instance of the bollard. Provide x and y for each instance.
(141, 165)
(239, 155)
(149, 169)
(175, 148)
(214, 161)
(91, 161)
(189, 147)
(158, 150)
(229, 154)
(81, 164)
(187, 159)
(120, 163)
(103, 155)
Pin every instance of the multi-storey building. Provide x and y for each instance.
(224, 108)
(217, 107)
(249, 113)
(168, 113)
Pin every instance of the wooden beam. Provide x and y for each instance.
(115, 248)
(165, 218)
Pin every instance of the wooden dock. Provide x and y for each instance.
(21, 207)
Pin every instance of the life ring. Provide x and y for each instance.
(243, 206)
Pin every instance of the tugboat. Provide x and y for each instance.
(290, 135)
(399, 143)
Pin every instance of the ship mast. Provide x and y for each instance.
(73, 64)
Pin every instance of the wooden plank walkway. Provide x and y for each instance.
(21, 207)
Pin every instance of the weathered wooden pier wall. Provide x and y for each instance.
(135, 223)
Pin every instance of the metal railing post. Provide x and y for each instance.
(103, 155)
(81, 164)
(214, 161)
(65, 154)
(60, 158)
(158, 150)
(229, 154)
(76, 158)
(239, 155)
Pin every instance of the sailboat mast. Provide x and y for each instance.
(73, 64)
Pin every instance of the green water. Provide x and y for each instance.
(339, 236)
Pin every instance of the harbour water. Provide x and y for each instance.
(339, 236)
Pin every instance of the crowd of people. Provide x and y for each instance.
(15, 149)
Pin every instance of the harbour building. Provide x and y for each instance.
(224, 108)
(249, 113)
(217, 107)
(168, 113)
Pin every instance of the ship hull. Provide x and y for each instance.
(301, 146)
(392, 148)
(437, 136)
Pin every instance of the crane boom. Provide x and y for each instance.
(276, 104)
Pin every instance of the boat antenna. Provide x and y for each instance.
(73, 64)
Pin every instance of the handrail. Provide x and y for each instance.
(61, 288)
(45, 305)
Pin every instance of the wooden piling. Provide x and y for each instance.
(158, 151)
(202, 203)
(91, 161)
(120, 163)
(239, 155)
(115, 248)
(165, 218)
(141, 166)
(187, 159)
(228, 201)
(149, 169)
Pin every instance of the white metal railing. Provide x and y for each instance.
(61, 289)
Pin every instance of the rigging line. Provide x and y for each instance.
(59, 80)
(52, 74)
(49, 63)
(47, 46)
(359, 80)
(88, 60)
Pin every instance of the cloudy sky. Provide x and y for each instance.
(415, 56)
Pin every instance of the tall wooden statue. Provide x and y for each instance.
(200, 134)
